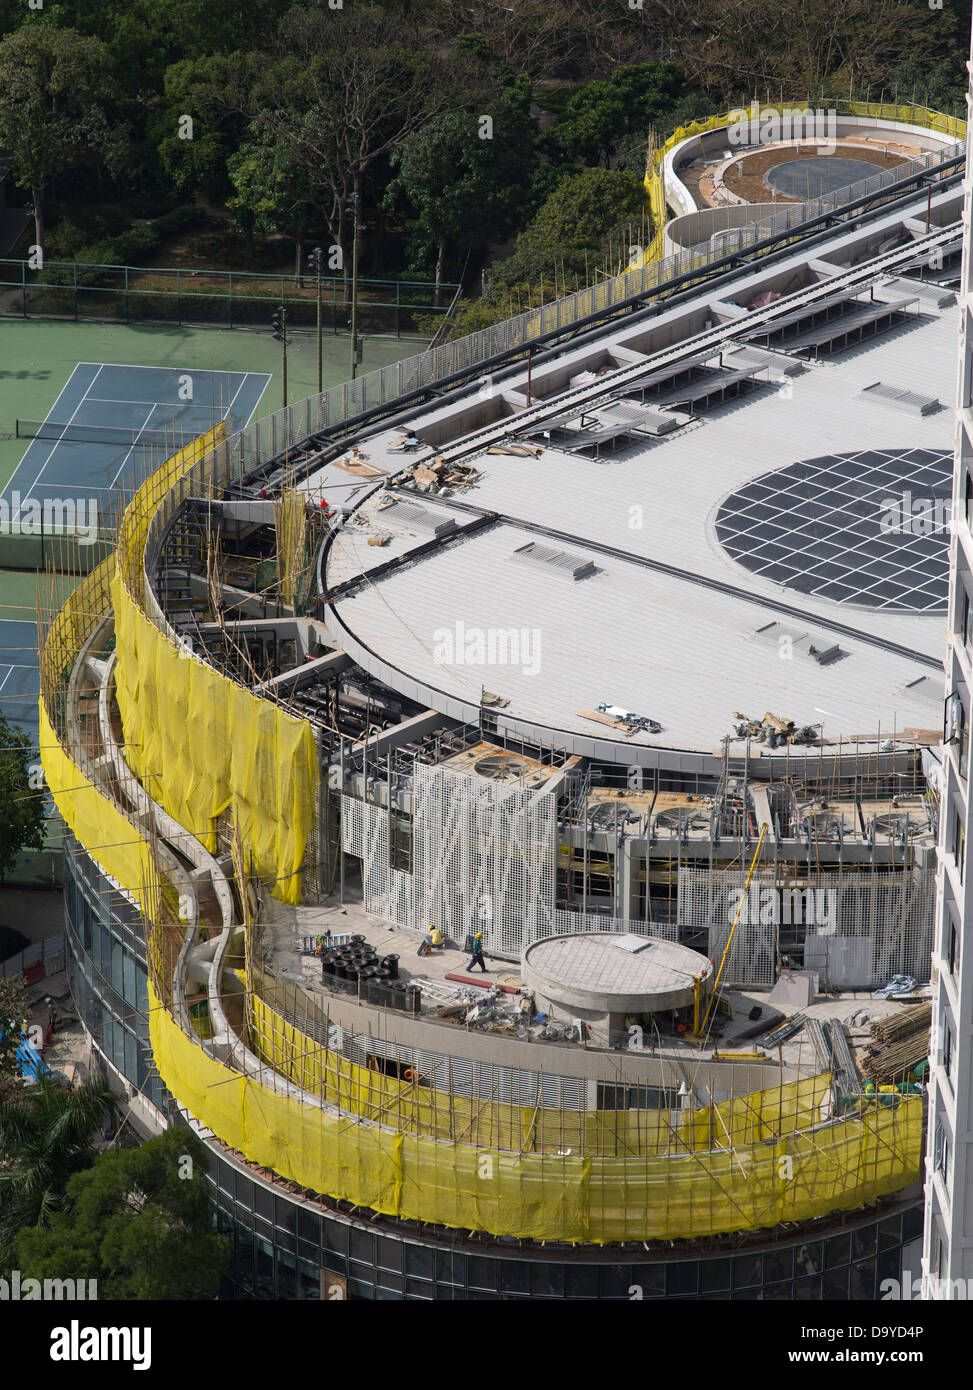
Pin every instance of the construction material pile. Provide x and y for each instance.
(774, 729)
(898, 1044)
(441, 477)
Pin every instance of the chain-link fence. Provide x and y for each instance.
(217, 298)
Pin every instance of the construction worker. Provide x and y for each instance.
(478, 953)
(433, 937)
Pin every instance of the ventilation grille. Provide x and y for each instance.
(927, 689)
(559, 561)
(406, 514)
(908, 401)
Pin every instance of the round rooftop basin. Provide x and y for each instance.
(810, 178)
(614, 973)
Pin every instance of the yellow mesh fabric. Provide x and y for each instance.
(543, 1196)
(426, 1109)
(202, 745)
(114, 841)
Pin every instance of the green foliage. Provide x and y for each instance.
(21, 809)
(464, 190)
(938, 88)
(132, 247)
(138, 1221)
(598, 117)
(13, 1020)
(45, 1138)
(56, 90)
(270, 192)
(572, 231)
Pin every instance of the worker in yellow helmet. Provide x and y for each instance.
(478, 953)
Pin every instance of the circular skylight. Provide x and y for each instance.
(869, 529)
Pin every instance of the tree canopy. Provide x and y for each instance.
(21, 807)
(56, 93)
(137, 1220)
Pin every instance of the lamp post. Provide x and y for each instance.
(353, 209)
(314, 263)
(278, 323)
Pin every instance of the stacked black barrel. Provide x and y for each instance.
(356, 968)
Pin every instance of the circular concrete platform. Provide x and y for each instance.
(610, 973)
(804, 179)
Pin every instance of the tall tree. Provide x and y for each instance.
(138, 1221)
(598, 116)
(466, 176)
(45, 1138)
(271, 193)
(56, 93)
(21, 808)
(346, 89)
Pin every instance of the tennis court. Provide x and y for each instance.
(95, 436)
(19, 676)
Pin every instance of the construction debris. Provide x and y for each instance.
(617, 718)
(774, 730)
(441, 477)
(523, 451)
(382, 538)
(360, 467)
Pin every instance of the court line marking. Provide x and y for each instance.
(125, 460)
(71, 376)
(130, 400)
(244, 378)
(60, 438)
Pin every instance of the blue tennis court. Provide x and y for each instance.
(111, 424)
(19, 676)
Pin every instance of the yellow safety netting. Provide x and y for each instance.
(422, 1106)
(655, 187)
(543, 1196)
(108, 835)
(203, 746)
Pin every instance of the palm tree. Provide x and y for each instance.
(45, 1138)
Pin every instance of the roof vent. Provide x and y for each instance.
(418, 518)
(926, 688)
(801, 643)
(560, 561)
(908, 401)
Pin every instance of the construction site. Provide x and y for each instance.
(523, 768)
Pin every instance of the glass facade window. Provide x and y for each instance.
(107, 972)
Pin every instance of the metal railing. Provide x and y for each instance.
(36, 961)
(231, 461)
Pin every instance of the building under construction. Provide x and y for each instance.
(613, 635)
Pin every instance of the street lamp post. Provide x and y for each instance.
(278, 323)
(353, 208)
(314, 262)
